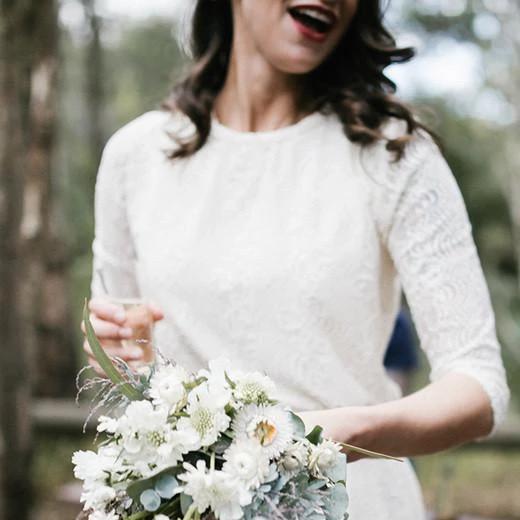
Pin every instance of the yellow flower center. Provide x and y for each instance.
(265, 432)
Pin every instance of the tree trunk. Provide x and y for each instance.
(27, 66)
(94, 87)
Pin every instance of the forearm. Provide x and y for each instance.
(449, 412)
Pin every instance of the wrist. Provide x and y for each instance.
(363, 425)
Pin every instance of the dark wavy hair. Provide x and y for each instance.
(350, 82)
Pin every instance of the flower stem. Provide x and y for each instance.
(368, 453)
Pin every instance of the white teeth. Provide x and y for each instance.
(315, 14)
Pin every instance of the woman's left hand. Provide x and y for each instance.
(352, 425)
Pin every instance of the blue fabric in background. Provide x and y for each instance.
(401, 353)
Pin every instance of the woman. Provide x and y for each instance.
(297, 198)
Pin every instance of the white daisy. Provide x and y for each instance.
(323, 457)
(247, 462)
(167, 387)
(271, 426)
(207, 415)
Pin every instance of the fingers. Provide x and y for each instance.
(115, 349)
(107, 329)
(157, 313)
(107, 310)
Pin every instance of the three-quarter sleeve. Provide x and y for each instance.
(431, 243)
(113, 269)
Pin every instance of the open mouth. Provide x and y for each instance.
(316, 19)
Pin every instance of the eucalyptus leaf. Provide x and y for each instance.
(135, 489)
(166, 486)
(337, 503)
(338, 472)
(150, 500)
(298, 425)
(186, 502)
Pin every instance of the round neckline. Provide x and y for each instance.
(311, 120)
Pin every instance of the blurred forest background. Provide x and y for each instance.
(72, 72)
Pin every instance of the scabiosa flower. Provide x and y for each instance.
(253, 388)
(270, 426)
(167, 387)
(294, 458)
(247, 462)
(207, 415)
(323, 457)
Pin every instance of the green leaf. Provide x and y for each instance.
(105, 362)
(186, 502)
(315, 436)
(298, 425)
(229, 381)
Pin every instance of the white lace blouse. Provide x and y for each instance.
(286, 252)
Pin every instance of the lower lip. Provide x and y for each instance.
(309, 33)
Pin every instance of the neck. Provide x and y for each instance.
(255, 96)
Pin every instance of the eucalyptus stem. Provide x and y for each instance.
(190, 512)
(139, 516)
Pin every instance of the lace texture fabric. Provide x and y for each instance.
(286, 252)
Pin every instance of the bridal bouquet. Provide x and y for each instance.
(211, 445)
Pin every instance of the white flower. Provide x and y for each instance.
(94, 467)
(247, 462)
(253, 388)
(271, 426)
(323, 457)
(160, 517)
(216, 375)
(100, 515)
(294, 458)
(150, 443)
(207, 415)
(107, 424)
(167, 388)
(216, 490)
(96, 496)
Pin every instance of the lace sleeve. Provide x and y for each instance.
(431, 243)
(113, 250)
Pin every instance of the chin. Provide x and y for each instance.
(297, 63)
